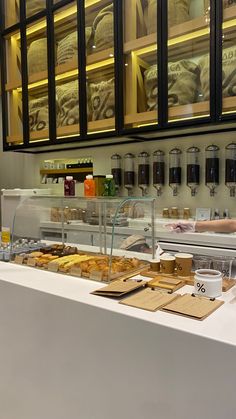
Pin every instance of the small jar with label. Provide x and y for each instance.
(69, 186)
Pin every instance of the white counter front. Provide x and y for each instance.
(68, 354)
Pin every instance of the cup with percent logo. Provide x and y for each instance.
(183, 263)
(208, 283)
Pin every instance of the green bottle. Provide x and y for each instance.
(109, 186)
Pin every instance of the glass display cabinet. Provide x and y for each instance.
(47, 229)
(75, 71)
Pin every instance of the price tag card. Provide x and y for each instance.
(96, 275)
(19, 259)
(196, 307)
(53, 267)
(76, 271)
(31, 262)
(149, 299)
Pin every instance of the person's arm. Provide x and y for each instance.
(218, 226)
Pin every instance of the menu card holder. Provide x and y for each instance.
(149, 299)
(193, 306)
(120, 288)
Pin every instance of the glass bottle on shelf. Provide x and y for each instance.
(116, 170)
(158, 170)
(193, 169)
(129, 174)
(230, 167)
(175, 169)
(143, 172)
(212, 168)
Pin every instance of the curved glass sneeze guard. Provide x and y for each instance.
(115, 227)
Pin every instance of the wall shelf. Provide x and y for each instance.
(65, 171)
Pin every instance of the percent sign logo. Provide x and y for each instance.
(102, 106)
(201, 288)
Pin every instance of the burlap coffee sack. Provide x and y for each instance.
(68, 103)
(151, 89)
(178, 12)
(183, 82)
(226, 3)
(38, 114)
(228, 73)
(37, 56)
(34, 6)
(102, 99)
(68, 47)
(103, 28)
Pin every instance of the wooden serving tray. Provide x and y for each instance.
(166, 283)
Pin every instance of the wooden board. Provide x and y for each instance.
(120, 288)
(195, 307)
(149, 299)
(165, 282)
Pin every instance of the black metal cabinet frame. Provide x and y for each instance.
(216, 18)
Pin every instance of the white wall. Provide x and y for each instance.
(101, 156)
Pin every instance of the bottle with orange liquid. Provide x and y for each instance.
(89, 186)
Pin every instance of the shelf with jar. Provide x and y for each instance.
(55, 171)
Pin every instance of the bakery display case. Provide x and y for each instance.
(75, 71)
(111, 252)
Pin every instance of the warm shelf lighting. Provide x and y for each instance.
(145, 50)
(188, 117)
(99, 132)
(32, 86)
(189, 37)
(229, 24)
(89, 3)
(100, 64)
(66, 75)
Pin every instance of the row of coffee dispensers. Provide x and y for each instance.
(212, 165)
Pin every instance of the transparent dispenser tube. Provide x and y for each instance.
(116, 170)
(158, 171)
(129, 173)
(175, 170)
(212, 168)
(230, 167)
(193, 169)
(143, 172)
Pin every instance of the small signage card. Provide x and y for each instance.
(203, 214)
(31, 262)
(19, 259)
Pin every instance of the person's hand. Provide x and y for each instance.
(181, 226)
